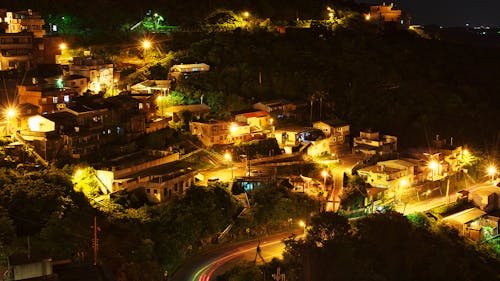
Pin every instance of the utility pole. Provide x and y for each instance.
(95, 242)
(448, 191)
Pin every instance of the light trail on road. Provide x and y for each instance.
(215, 262)
(207, 272)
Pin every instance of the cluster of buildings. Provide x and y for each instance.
(23, 43)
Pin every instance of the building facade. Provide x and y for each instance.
(371, 143)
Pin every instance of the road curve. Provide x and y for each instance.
(216, 261)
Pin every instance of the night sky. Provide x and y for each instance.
(451, 12)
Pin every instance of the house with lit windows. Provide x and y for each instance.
(220, 132)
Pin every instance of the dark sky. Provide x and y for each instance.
(451, 12)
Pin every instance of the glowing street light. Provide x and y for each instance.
(78, 173)
(246, 14)
(233, 128)
(63, 46)
(367, 17)
(492, 170)
(10, 113)
(324, 173)
(146, 44)
(433, 165)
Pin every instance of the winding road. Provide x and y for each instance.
(216, 261)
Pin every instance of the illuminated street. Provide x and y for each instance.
(208, 266)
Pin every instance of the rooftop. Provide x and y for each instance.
(465, 216)
(254, 114)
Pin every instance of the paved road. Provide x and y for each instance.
(435, 202)
(208, 266)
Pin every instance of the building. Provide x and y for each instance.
(196, 111)
(78, 83)
(23, 268)
(25, 21)
(257, 119)
(290, 137)
(486, 198)
(371, 143)
(395, 174)
(47, 98)
(220, 132)
(278, 108)
(16, 51)
(473, 223)
(162, 188)
(99, 73)
(338, 132)
(152, 87)
(183, 71)
(385, 16)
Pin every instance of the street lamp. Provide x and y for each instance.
(159, 102)
(10, 114)
(246, 14)
(228, 158)
(146, 44)
(63, 46)
(324, 173)
(492, 170)
(433, 165)
(303, 225)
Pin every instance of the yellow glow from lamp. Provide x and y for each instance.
(246, 14)
(63, 46)
(146, 44)
(492, 170)
(433, 165)
(10, 113)
(302, 224)
(233, 128)
(228, 157)
(324, 173)
(367, 17)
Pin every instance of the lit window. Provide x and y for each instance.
(66, 98)
(54, 99)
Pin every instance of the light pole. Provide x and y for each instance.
(324, 173)
(434, 166)
(492, 170)
(228, 158)
(303, 225)
(10, 114)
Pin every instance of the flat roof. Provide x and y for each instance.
(254, 114)
(465, 216)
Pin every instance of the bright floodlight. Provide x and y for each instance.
(227, 156)
(11, 113)
(146, 44)
(63, 46)
(492, 170)
(433, 165)
(246, 14)
(79, 172)
(404, 182)
(302, 224)
(324, 173)
(466, 152)
(233, 128)
(367, 17)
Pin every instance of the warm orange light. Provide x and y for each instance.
(63, 46)
(367, 17)
(302, 224)
(492, 170)
(233, 128)
(146, 44)
(246, 14)
(404, 182)
(324, 173)
(228, 157)
(11, 113)
(433, 165)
